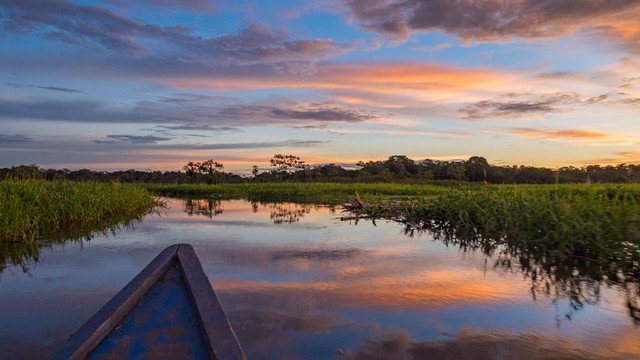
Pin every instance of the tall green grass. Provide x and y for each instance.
(325, 193)
(550, 224)
(35, 213)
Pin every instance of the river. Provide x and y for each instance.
(296, 282)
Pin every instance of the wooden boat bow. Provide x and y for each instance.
(168, 311)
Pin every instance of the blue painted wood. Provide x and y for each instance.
(168, 311)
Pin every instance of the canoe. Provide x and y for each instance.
(168, 311)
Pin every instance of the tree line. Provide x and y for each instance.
(396, 168)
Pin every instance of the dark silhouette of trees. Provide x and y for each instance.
(396, 168)
(287, 163)
(208, 167)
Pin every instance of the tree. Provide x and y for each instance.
(32, 171)
(476, 168)
(455, 170)
(207, 167)
(254, 170)
(287, 163)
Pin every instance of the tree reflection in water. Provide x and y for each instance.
(551, 273)
(288, 213)
(205, 207)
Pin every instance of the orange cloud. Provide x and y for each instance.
(432, 289)
(432, 79)
(589, 137)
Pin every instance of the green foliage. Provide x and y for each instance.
(286, 163)
(586, 226)
(33, 212)
(329, 193)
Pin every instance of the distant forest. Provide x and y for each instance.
(397, 168)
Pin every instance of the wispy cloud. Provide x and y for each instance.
(202, 127)
(588, 137)
(619, 157)
(315, 112)
(15, 138)
(133, 139)
(49, 88)
(188, 5)
(519, 105)
(248, 145)
(204, 114)
(75, 111)
(59, 89)
(91, 25)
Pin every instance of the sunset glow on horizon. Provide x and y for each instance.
(114, 85)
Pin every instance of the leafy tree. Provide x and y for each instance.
(287, 163)
(455, 170)
(209, 168)
(32, 171)
(476, 168)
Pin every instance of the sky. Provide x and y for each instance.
(154, 84)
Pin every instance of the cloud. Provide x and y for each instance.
(251, 145)
(594, 138)
(202, 127)
(484, 20)
(153, 143)
(15, 138)
(187, 98)
(317, 254)
(188, 5)
(196, 114)
(559, 134)
(519, 105)
(485, 344)
(60, 89)
(133, 139)
(65, 21)
(619, 157)
(315, 112)
(76, 111)
(559, 75)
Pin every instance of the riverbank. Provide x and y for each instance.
(574, 228)
(32, 211)
(319, 193)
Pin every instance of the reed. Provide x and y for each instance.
(325, 193)
(585, 226)
(35, 213)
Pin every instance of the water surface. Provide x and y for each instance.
(296, 282)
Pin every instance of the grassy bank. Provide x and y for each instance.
(578, 228)
(322, 193)
(31, 210)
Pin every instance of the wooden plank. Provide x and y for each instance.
(218, 332)
(89, 336)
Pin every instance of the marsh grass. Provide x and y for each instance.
(319, 193)
(567, 239)
(36, 213)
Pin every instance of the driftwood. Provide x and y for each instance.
(356, 205)
(390, 211)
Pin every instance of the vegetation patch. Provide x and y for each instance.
(35, 213)
(318, 193)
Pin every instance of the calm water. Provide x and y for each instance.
(296, 282)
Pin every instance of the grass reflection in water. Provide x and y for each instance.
(36, 214)
(568, 241)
